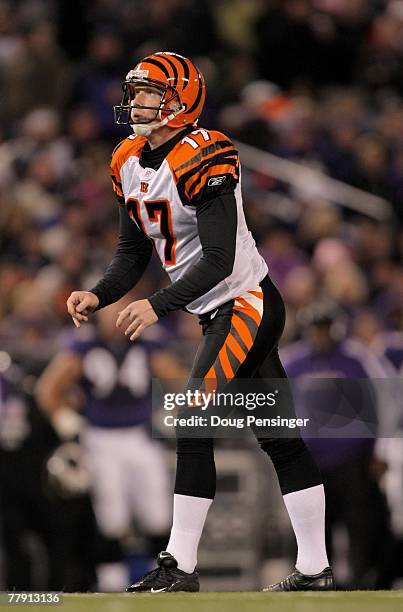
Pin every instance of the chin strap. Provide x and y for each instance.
(145, 129)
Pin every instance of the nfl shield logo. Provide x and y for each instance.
(143, 187)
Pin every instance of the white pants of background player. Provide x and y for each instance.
(129, 481)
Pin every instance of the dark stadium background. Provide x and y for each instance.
(319, 83)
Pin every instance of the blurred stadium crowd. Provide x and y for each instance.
(313, 81)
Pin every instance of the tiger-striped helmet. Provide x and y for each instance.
(180, 83)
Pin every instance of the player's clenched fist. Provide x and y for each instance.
(80, 304)
(137, 316)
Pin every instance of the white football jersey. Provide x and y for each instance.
(163, 204)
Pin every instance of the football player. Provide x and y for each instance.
(178, 188)
(114, 378)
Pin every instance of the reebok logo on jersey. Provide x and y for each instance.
(216, 180)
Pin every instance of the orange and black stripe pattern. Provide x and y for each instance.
(203, 174)
(183, 76)
(246, 318)
(122, 151)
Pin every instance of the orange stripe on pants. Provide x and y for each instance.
(243, 330)
(249, 310)
(225, 363)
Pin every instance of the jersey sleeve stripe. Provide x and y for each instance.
(205, 167)
(204, 153)
(212, 166)
(205, 163)
(200, 182)
(185, 179)
(117, 186)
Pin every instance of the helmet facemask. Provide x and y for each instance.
(169, 105)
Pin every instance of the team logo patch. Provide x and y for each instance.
(216, 180)
(143, 187)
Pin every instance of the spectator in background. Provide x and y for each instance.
(278, 248)
(326, 353)
(390, 345)
(37, 75)
(96, 84)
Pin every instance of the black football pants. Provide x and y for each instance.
(240, 341)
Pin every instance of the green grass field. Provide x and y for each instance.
(357, 601)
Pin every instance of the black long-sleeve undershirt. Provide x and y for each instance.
(132, 255)
(217, 226)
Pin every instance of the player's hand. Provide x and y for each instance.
(136, 317)
(80, 304)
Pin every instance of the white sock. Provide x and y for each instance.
(188, 521)
(306, 510)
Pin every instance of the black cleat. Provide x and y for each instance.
(166, 578)
(323, 581)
